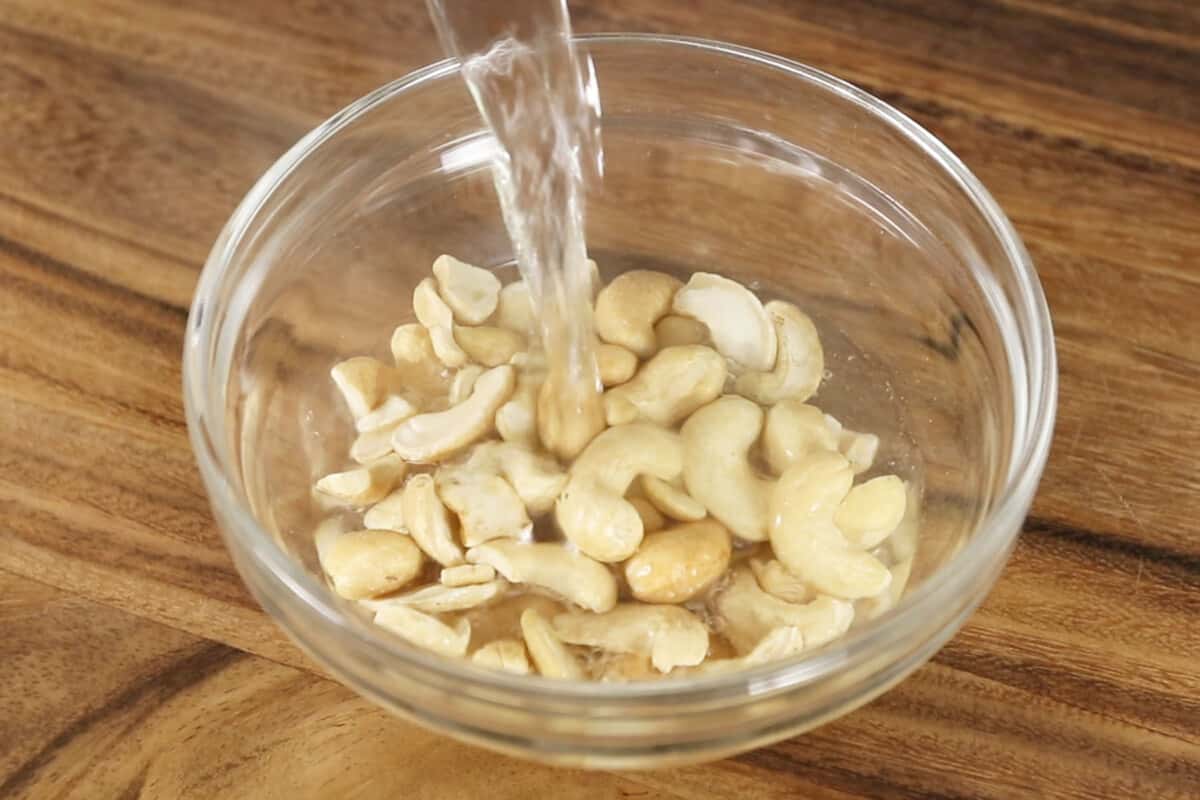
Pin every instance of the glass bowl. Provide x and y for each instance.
(717, 158)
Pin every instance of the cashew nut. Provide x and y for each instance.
(716, 469)
(749, 614)
(486, 505)
(871, 511)
(592, 511)
(552, 658)
(515, 311)
(624, 667)
(858, 448)
(416, 361)
(674, 330)
(873, 607)
(652, 519)
(671, 636)
(537, 479)
(439, 599)
(672, 500)
(740, 328)
(675, 565)
(368, 563)
(805, 538)
(372, 445)
(470, 291)
(438, 319)
(568, 417)
(463, 383)
(387, 514)
(432, 437)
(516, 420)
(778, 644)
(799, 362)
(794, 429)
(669, 387)
(390, 413)
(628, 307)
(429, 522)
(425, 631)
(364, 382)
(489, 346)
(503, 654)
(774, 578)
(467, 574)
(616, 364)
(570, 575)
(364, 485)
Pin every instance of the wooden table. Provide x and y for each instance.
(134, 664)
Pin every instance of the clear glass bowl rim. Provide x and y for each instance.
(1030, 444)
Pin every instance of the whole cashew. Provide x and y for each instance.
(615, 363)
(515, 310)
(668, 387)
(368, 563)
(470, 291)
(570, 575)
(432, 437)
(677, 564)
(740, 328)
(628, 307)
(568, 417)
(805, 538)
(793, 430)
(552, 658)
(429, 522)
(749, 614)
(669, 635)
(438, 319)
(716, 466)
(799, 363)
(487, 345)
(592, 511)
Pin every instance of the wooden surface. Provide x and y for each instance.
(135, 664)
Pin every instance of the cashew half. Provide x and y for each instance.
(467, 574)
(487, 506)
(368, 563)
(470, 291)
(672, 500)
(440, 599)
(438, 319)
(674, 330)
(515, 310)
(668, 387)
(570, 575)
(671, 636)
(628, 307)
(463, 383)
(503, 654)
(364, 383)
(371, 446)
(615, 363)
(390, 413)
(432, 437)
(805, 538)
(716, 467)
(592, 511)
(429, 522)
(677, 564)
(799, 362)
(488, 345)
(537, 479)
(387, 514)
(774, 578)
(552, 658)
(425, 631)
(749, 614)
(871, 511)
(794, 429)
(740, 328)
(365, 485)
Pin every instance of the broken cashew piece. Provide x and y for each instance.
(774, 578)
(859, 449)
(537, 479)
(463, 383)
(364, 485)
(674, 330)
(792, 431)
(740, 328)
(466, 575)
(487, 345)
(428, 521)
(372, 445)
(387, 514)
(716, 466)
(871, 511)
(416, 361)
(669, 635)
(487, 506)
(592, 511)
(368, 563)
(552, 658)
(805, 538)
(471, 292)
(507, 655)
(615, 363)
(438, 319)
(515, 309)
(363, 382)
(432, 437)
(439, 599)
(750, 614)
(551, 566)
(628, 307)
(677, 564)
(425, 631)
(778, 644)
(390, 413)
(672, 500)
(799, 362)
(668, 387)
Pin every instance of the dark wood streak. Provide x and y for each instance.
(1187, 564)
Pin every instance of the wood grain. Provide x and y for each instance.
(138, 664)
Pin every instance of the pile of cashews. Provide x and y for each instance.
(709, 521)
